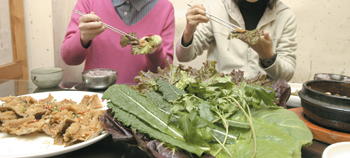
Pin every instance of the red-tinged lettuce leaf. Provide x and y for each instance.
(251, 37)
(116, 128)
(136, 48)
(282, 92)
(126, 39)
(208, 71)
(146, 81)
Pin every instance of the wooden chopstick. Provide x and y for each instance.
(230, 25)
(109, 26)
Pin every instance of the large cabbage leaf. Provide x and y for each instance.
(279, 133)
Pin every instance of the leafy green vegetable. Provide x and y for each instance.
(126, 39)
(170, 92)
(131, 120)
(136, 48)
(165, 107)
(280, 133)
(141, 107)
(233, 116)
(189, 124)
(251, 37)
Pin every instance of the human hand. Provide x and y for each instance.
(90, 26)
(195, 15)
(264, 46)
(156, 45)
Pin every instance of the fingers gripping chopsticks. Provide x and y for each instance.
(223, 22)
(109, 26)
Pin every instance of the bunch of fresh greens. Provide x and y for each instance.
(136, 47)
(205, 112)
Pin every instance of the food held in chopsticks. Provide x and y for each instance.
(249, 36)
(139, 46)
(66, 121)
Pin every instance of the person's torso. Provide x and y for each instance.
(105, 49)
(234, 53)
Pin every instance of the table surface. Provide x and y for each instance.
(107, 147)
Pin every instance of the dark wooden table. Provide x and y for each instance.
(107, 148)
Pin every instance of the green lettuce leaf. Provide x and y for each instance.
(131, 120)
(130, 100)
(137, 49)
(170, 92)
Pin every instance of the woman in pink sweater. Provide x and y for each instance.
(88, 40)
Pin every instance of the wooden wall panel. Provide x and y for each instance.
(18, 68)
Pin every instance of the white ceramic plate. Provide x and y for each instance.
(294, 101)
(41, 145)
(337, 150)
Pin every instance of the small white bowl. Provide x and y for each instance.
(47, 77)
(337, 150)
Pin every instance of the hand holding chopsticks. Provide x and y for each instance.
(109, 27)
(223, 22)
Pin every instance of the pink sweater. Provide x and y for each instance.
(105, 50)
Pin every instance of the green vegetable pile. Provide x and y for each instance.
(136, 48)
(205, 112)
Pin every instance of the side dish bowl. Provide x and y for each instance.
(99, 78)
(337, 150)
(327, 103)
(47, 77)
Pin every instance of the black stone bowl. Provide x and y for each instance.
(331, 111)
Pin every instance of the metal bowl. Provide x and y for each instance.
(330, 76)
(331, 111)
(99, 78)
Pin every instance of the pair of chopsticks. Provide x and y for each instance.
(223, 22)
(109, 26)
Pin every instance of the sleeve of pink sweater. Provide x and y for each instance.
(166, 50)
(72, 52)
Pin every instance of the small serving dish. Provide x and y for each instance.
(99, 78)
(337, 150)
(327, 103)
(47, 77)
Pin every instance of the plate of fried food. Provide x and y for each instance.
(50, 123)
